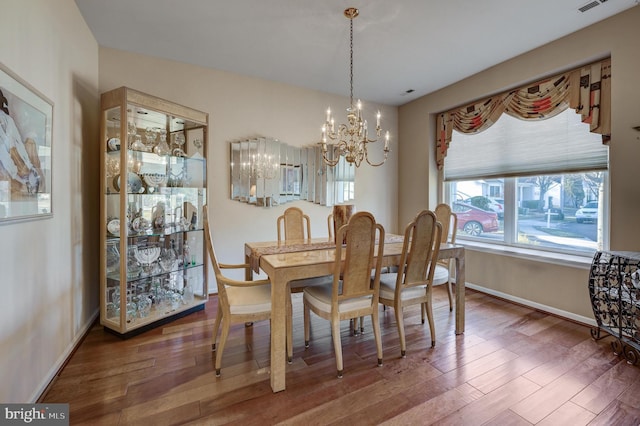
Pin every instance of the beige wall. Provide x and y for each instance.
(557, 287)
(48, 268)
(241, 107)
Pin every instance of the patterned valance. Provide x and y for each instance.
(586, 89)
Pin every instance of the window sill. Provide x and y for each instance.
(576, 261)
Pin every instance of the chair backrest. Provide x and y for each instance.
(449, 222)
(360, 236)
(330, 225)
(220, 279)
(294, 221)
(419, 251)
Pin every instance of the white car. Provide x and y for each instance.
(588, 213)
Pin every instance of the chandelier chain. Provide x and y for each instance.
(351, 63)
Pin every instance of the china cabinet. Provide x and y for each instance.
(153, 177)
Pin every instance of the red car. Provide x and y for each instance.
(473, 220)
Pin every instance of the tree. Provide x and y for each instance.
(545, 183)
(574, 189)
(592, 183)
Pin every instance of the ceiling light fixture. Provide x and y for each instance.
(353, 138)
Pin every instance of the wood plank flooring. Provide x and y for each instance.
(512, 366)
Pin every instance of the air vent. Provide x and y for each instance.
(589, 6)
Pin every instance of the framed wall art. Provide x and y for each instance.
(26, 119)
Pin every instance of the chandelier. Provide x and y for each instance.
(257, 159)
(352, 138)
(264, 166)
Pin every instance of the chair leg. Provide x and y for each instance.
(378, 336)
(306, 324)
(432, 327)
(354, 323)
(223, 341)
(423, 310)
(337, 345)
(400, 323)
(216, 329)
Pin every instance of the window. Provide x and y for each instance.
(536, 184)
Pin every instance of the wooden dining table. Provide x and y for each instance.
(298, 259)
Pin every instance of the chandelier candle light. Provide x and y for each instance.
(353, 138)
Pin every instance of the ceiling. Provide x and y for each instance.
(402, 45)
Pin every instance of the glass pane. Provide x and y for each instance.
(480, 215)
(561, 211)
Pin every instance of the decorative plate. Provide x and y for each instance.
(113, 144)
(113, 226)
(134, 183)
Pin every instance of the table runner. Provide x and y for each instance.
(279, 248)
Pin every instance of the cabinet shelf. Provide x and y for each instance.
(152, 219)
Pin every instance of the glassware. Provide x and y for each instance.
(150, 136)
(137, 144)
(175, 300)
(144, 305)
(132, 130)
(162, 148)
(186, 254)
(178, 141)
(113, 257)
(112, 168)
(157, 215)
(187, 293)
(113, 307)
(147, 255)
(132, 311)
(169, 258)
(133, 266)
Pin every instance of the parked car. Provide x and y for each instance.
(487, 203)
(474, 220)
(588, 213)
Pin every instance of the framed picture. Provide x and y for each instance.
(26, 119)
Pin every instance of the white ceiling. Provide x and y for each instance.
(399, 45)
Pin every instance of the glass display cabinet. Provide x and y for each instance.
(153, 181)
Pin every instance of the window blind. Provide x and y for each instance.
(513, 147)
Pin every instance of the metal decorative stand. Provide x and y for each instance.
(614, 289)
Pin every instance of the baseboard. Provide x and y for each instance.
(538, 306)
(62, 360)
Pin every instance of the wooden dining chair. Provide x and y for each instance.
(238, 301)
(295, 222)
(355, 329)
(449, 222)
(412, 283)
(352, 293)
(292, 224)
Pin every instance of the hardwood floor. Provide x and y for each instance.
(512, 366)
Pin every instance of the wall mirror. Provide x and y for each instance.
(267, 172)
